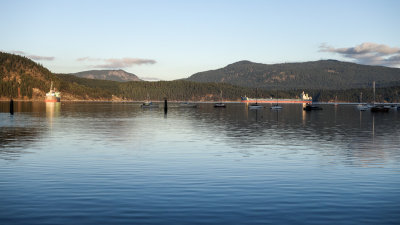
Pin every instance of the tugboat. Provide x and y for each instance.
(52, 95)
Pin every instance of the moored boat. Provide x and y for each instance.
(379, 108)
(149, 105)
(52, 95)
(276, 107)
(310, 107)
(255, 106)
(220, 104)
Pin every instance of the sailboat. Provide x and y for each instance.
(148, 104)
(220, 104)
(276, 106)
(378, 108)
(256, 105)
(361, 106)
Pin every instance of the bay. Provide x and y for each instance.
(115, 163)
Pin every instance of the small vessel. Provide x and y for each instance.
(276, 107)
(220, 104)
(310, 107)
(362, 107)
(379, 108)
(148, 104)
(255, 105)
(52, 95)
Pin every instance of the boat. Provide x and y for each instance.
(52, 95)
(310, 107)
(276, 106)
(362, 107)
(303, 98)
(148, 104)
(256, 105)
(220, 104)
(379, 108)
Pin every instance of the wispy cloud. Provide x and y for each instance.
(34, 57)
(114, 63)
(368, 53)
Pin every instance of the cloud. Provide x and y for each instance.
(117, 63)
(368, 53)
(34, 57)
(38, 57)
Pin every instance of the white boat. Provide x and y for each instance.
(220, 104)
(276, 107)
(148, 104)
(362, 107)
(255, 106)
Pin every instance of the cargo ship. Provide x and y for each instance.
(303, 98)
(52, 95)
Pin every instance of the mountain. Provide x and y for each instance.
(23, 79)
(323, 74)
(114, 75)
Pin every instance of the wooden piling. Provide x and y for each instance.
(165, 106)
(11, 107)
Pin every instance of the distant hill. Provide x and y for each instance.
(114, 75)
(323, 74)
(23, 79)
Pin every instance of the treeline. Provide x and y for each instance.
(323, 74)
(22, 78)
(19, 75)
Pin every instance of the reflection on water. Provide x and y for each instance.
(116, 163)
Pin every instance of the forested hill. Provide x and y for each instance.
(23, 79)
(323, 74)
(115, 75)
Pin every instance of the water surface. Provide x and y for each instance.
(115, 163)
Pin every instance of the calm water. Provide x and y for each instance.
(115, 163)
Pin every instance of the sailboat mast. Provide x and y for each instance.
(373, 84)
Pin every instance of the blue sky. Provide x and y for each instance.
(175, 39)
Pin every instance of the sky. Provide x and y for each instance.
(172, 39)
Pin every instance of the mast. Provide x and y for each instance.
(373, 84)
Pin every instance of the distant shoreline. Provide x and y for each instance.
(210, 102)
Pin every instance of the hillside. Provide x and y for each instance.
(323, 74)
(114, 75)
(23, 79)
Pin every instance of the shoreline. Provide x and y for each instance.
(210, 102)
